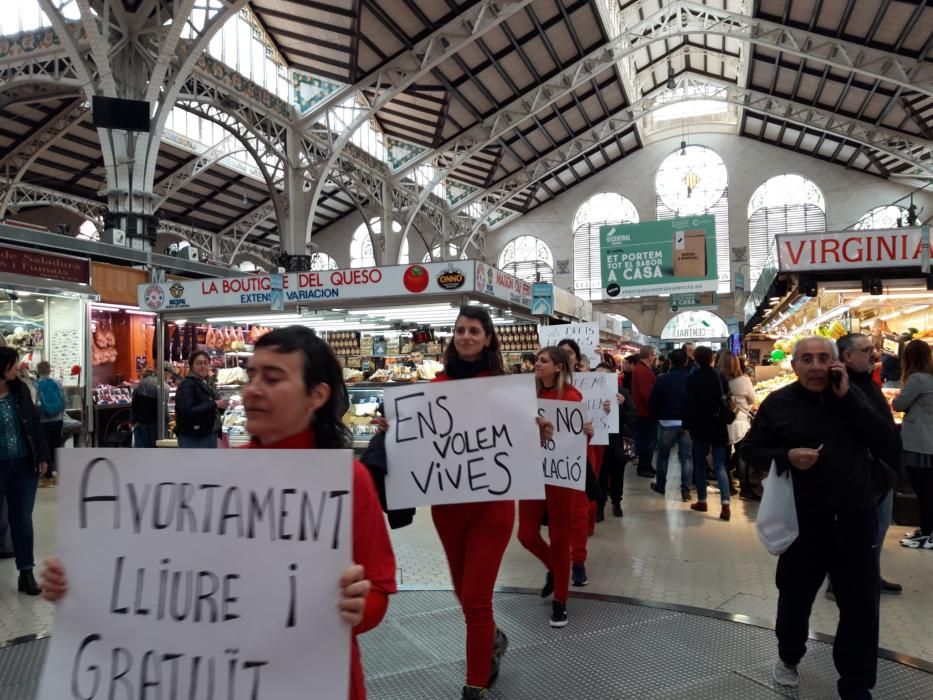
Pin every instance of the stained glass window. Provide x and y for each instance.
(784, 204)
(528, 258)
(599, 210)
(882, 217)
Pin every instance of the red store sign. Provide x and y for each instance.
(32, 263)
(900, 247)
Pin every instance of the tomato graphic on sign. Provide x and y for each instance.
(416, 279)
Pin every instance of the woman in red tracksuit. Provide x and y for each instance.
(583, 519)
(295, 400)
(475, 535)
(554, 377)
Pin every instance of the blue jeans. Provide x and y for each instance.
(204, 442)
(667, 438)
(18, 484)
(700, 450)
(646, 438)
(885, 512)
(144, 434)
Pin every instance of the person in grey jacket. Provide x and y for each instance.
(916, 399)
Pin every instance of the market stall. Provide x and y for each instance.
(44, 315)
(386, 325)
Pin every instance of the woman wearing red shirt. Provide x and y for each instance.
(294, 400)
(554, 377)
(475, 535)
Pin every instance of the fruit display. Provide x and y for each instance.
(762, 389)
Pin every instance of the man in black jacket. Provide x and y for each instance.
(668, 400)
(857, 354)
(822, 429)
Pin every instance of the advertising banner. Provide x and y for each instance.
(659, 257)
(463, 441)
(201, 576)
(852, 250)
(542, 299)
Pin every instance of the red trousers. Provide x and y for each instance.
(584, 510)
(474, 537)
(556, 555)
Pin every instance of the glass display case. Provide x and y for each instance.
(365, 400)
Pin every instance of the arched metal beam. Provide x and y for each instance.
(390, 82)
(511, 187)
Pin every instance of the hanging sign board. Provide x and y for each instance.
(564, 455)
(659, 257)
(501, 285)
(699, 300)
(852, 250)
(51, 266)
(463, 442)
(597, 388)
(542, 299)
(195, 577)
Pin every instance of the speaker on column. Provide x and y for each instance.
(116, 113)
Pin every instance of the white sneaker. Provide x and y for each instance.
(784, 674)
(917, 543)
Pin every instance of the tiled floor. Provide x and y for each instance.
(660, 551)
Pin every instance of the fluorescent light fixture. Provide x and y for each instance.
(98, 306)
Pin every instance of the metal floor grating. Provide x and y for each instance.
(611, 650)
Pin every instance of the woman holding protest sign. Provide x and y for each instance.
(475, 535)
(295, 399)
(554, 379)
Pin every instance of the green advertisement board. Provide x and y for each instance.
(677, 256)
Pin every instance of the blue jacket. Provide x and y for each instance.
(669, 396)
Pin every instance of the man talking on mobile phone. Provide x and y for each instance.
(824, 430)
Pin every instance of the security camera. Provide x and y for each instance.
(306, 186)
(674, 309)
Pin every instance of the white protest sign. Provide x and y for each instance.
(564, 459)
(198, 574)
(597, 388)
(586, 336)
(463, 441)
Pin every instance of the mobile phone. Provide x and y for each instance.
(835, 376)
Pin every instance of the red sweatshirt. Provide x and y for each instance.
(371, 549)
(643, 380)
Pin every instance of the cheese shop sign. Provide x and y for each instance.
(300, 287)
(899, 247)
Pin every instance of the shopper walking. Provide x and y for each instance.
(51, 405)
(646, 425)
(619, 452)
(916, 401)
(668, 402)
(856, 352)
(197, 407)
(24, 458)
(745, 402)
(145, 410)
(822, 431)
(475, 535)
(554, 380)
(706, 420)
(295, 400)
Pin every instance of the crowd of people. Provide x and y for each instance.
(832, 429)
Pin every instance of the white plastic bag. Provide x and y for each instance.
(777, 515)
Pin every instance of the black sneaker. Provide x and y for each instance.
(27, 583)
(749, 495)
(617, 511)
(657, 488)
(685, 495)
(600, 514)
(548, 585)
(499, 648)
(558, 614)
(471, 692)
(578, 575)
(649, 472)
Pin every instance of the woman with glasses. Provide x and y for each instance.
(197, 407)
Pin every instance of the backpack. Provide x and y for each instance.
(51, 402)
